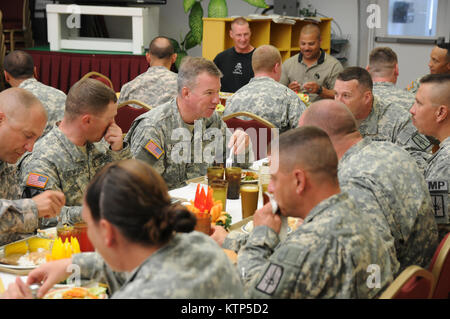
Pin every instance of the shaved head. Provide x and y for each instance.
(16, 103)
(440, 84)
(265, 57)
(331, 116)
(309, 148)
(22, 122)
(311, 29)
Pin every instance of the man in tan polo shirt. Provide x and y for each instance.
(312, 71)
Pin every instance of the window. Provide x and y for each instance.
(412, 18)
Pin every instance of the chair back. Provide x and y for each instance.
(413, 283)
(127, 113)
(14, 14)
(259, 130)
(100, 77)
(440, 267)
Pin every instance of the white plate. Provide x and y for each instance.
(15, 267)
(247, 228)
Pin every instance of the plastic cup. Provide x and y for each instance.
(203, 223)
(220, 189)
(233, 176)
(249, 199)
(214, 172)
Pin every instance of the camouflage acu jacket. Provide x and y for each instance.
(270, 100)
(190, 266)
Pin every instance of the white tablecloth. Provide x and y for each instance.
(233, 208)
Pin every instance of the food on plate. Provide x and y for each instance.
(49, 233)
(77, 293)
(204, 205)
(26, 253)
(249, 176)
(305, 98)
(220, 108)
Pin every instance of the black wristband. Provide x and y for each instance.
(319, 91)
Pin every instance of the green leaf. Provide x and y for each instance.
(217, 9)
(257, 3)
(196, 22)
(187, 5)
(180, 56)
(189, 42)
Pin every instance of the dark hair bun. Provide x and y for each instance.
(183, 220)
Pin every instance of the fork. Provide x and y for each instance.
(229, 161)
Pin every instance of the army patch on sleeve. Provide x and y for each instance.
(421, 141)
(37, 180)
(154, 149)
(270, 280)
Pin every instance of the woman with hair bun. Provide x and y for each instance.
(145, 246)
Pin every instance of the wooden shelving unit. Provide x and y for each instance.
(264, 31)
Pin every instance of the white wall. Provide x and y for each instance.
(343, 11)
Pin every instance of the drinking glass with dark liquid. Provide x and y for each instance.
(233, 177)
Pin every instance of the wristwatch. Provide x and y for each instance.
(319, 91)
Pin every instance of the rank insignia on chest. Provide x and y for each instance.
(154, 149)
(37, 180)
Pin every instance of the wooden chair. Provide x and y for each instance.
(440, 268)
(2, 53)
(259, 130)
(413, 283)
(127, 113)
(98, 76)
(17, 23)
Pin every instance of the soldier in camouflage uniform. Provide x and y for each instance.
(377, 119)
(384, 181)
(22, 121)
(331, 254)
(153, 256)
(182, 137)
(68, 157)
(431, 116)
(158, 85)
(439, 64)
(264, 96)
(19, 72)
(383, 67)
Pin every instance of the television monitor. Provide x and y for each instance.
(112, 2)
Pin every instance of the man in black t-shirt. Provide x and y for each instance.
(236, 62)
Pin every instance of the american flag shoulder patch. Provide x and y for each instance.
(154, 149)
(37, 180)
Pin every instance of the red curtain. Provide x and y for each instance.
(61, 70)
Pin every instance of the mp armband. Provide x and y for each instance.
(439, 200)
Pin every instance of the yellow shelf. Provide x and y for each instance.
(264, 31)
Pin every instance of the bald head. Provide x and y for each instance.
(161, 48)
(331, 116)
(264, 58)
(16, 103)
(311, 29)
(22, 122)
